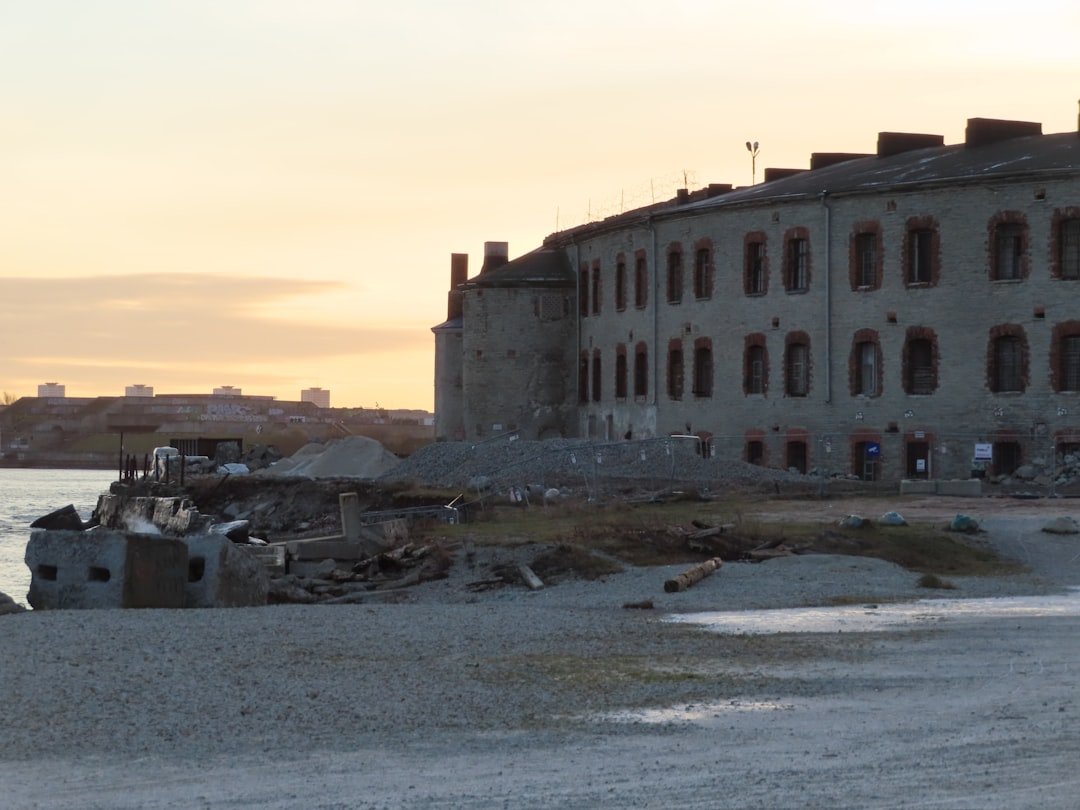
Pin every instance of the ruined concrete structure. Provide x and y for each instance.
(876, 314)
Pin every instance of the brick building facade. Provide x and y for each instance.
(914, 301)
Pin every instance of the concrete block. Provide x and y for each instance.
(105, 568)
(328, 549)
(271, 557)
(221, 573)
(917, 487)
(960, 488)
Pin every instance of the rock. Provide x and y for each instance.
(234, 468)
(551, 495)
(964, 523)
(324, 569)
(892, 519)
(284, 591)
(9, 605)
(854, 522)
(235, 530)
(480, 483)
(1025, 472)
(222, 573)
(1062, 525)
(64, 519)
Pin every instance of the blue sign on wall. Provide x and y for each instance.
(873, 449)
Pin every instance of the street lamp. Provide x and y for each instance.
(753, 149)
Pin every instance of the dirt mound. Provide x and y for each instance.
(354, 457)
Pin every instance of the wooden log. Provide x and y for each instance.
(531, 579)
(693, 575)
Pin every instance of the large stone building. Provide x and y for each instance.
(877, 314)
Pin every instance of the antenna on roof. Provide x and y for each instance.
(753, 149)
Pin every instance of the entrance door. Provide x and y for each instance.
(918, 459)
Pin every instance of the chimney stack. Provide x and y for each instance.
(459, 272)
(496, 254)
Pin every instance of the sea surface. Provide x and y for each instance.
(26, 495)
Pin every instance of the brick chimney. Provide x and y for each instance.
(459, 271)
(496, 254)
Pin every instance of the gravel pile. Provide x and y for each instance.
(507, 461)
(352, 457)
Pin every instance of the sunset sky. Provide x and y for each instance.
(266, 193)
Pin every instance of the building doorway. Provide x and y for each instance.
(918, 459)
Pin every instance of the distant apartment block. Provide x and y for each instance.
(51, 389)
(139, 390)
(228, 391)
(317, 396)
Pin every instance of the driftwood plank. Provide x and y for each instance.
(692, 576)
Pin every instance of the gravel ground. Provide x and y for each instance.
(506, 698)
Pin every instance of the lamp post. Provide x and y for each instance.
(753, 149)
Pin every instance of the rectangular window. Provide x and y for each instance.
(798, 371)
(620, 286)
(674, 277)
(798, 264)
(796, 456)
(596, 290)
(583, 293)
(920, 256)
(641, 283)
(703, 273)
(755, 452)
(755, 268)
(641, 372)
(866, 260)
(1008, 364)
(755, 370)
(1006, 457)
(1008, 251)
(867, 382)
(1070, 363)
(703, 371)
(675, 373)
(921, 378)
(620, 375)
(1069, 248)
(866, 464)
(597, 377)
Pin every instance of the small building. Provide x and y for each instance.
(139, 390)
(51, 390)
(316, 396)
(228, 391)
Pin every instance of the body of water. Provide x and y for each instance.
(26, 495)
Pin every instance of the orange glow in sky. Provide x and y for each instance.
(266, 193)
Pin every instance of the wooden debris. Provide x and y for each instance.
(644, 604)
(693, 575)
(531, 579)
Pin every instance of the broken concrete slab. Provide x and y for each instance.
(236, 530)
(221, 573)
(66, 518)
(105, 568)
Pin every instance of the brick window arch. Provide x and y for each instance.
(1007, 359)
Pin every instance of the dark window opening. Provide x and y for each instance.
(196, 569)
(675, 373)
(755, 370)
(641, 372)
(703, 371)
(796, 456)
(1006, 458)
(641, 282)
(596, 290)
(920, 256)
(755, 268)
(1008, 364)
(1008, 252)
(620, 286)
(703, 273)
(98, 574)
(866, 465)
(620, 375)
(47, 572)
(597, 377)
(921, 378)
(797, 277)
(1070, 363)
(866, 260)
(674, 277)
(918, 459)
(1069, 249)
(755, 452)
(797, 371)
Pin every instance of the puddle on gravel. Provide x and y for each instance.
(693, 713)
(868, 618)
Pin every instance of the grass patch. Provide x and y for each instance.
(934, 581)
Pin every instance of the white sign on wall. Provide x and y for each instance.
(984, 451)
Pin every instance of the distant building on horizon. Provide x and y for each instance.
(227, 391)
(317, 396)
(139, 390)
(51, 389)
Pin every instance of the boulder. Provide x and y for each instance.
(1025, 472)
(1062, 525)
(65, 518)
(221, 573)
(105, 568)
(9, 605)
(892, 519)
(964, 523)
(854, 522)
